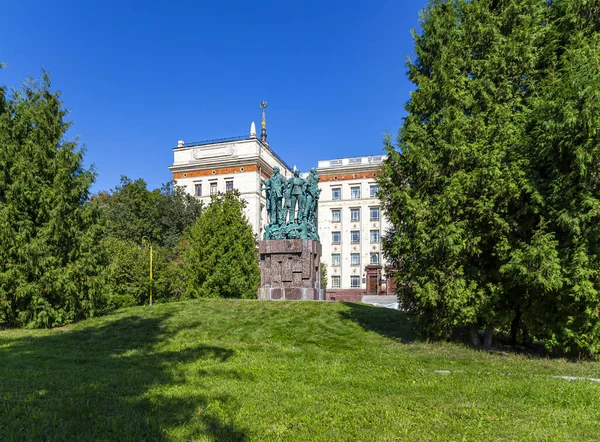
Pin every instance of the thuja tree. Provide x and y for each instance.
(559, 267)
(220, 256)
(491, 188)
(49, 259)
(455, 187)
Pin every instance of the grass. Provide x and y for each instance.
(250, 370)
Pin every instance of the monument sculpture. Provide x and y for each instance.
(290, 251)
(291, 206)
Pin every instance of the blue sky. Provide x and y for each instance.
(138, 76)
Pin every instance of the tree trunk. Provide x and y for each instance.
(514, 327)
(488, 337)
(474, 335)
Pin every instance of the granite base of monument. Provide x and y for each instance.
(289, 270)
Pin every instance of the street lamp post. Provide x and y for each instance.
(146, 241)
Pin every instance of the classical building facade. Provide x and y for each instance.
(350, 219)
(351, 224)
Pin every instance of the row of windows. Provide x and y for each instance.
(336, 214)
(336, 237)
(336, 192)
(354, 259)
(213, 188)
(336, 281)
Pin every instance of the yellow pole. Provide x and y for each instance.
(146, 240)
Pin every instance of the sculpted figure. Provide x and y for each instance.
(287, 218)
(267, 189)
(296, 196)
(312, 195)
(278, 186)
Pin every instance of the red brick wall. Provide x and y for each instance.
(352, 295)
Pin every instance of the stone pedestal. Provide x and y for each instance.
(289, 270)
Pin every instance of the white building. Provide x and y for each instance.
(350, 219)
(351, 223)
(207, 167)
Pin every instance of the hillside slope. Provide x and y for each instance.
(250, 370)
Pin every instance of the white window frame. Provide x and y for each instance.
(339, 215)
(354, 278)
(374, 262)
(354, 196)
(339, 235)
(336, 281)
(354, 210)
(378, 236)
(373, 187)
(355, 259)
(352, 232)
(333, 260)
(333, 192)
(371, 209)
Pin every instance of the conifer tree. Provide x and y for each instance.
(49, 256)
(220, 257)
(450, 188)
(492, 191)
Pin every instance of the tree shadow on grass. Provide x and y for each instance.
(116, 381)
(385, 321)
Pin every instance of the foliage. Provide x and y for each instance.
(50, 260)
(491, 191)
(132, 211)
(127, 276)
(323, 275)
(228, 370)
(220, 257)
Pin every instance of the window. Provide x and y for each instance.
(198, 189)
(228, 186)
(374, 235)
(335, 259)
(335, 282)
(213, 188)
(335, 237)
(354, 259)
(355, 237)
(355, 192)
(354, 215)
(374, 258)
(336, 193)
(374, 190)
(336, 215)
(374, 213)
(354, 281)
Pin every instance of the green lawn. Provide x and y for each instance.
(251, 370)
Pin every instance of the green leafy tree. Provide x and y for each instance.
(491, 191)
(220, 257)
(323, 275)
(127, 277)
(132, 211)
(50, 260)
(563, 144)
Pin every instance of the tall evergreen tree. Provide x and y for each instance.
(220, 257)
(563, 143)
(49, 257)
(492, 191)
